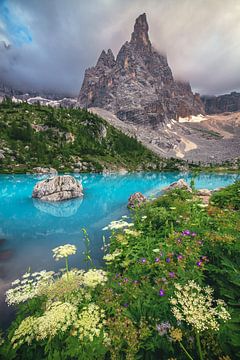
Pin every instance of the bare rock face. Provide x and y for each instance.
(58, 188)
(136, 200)
(180, 184)
(222, 103)
(138, 86)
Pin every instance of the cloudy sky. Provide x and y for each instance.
(52, 42)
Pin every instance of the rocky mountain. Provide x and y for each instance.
(222, 103)
(209, 139)
(138, 86)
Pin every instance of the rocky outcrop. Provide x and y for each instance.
(58, 188)
(180, 184)
(222, 103)
(136, 200)
(138, 86)
(44, 170)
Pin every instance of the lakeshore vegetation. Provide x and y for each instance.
(68, 139)
(170, 289)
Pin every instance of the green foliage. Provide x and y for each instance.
(42, 136)
(228, 197)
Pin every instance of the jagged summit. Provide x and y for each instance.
(138, 85)
(106, 59)
(140, 36)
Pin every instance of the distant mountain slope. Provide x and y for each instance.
(67, 139)
(207, 139)
(138, 86)
(222, 103)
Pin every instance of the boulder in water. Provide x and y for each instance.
(180, 184)
(136, 200)
(58, 188)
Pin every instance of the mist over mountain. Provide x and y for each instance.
(52, 42)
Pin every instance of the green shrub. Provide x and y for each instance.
(228, 197)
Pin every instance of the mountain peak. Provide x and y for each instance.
(140, 36)
(106, 59)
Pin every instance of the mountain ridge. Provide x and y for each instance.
(138, 86)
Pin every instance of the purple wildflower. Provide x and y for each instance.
(172, 274)
(143, 261)
(125, 305)
(193, 234)
(186, 232)
(179, 240)
(163, 328)
(179, 257)
(157, 260)
(161, 292)
(168, 260)
(199, 263)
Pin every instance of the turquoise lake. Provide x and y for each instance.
(30, 229)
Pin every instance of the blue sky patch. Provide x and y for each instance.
(16, 31)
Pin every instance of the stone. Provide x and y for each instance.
(58, 188)
(138, 86)
(136, 200)
(43, 170)
(204, 192)
(180, 184)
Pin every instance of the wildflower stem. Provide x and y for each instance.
(199, 346)
(186, 352)
(66, 259)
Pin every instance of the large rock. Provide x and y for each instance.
(136, 200)
(138, 86)
(180, 184)
(44, 170)
(58, 188)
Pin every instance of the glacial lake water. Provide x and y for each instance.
(30, 229)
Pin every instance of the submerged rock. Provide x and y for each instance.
(58, 188)
(180, 184)
(136, 200)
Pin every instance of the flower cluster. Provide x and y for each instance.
(64, 251)
(119, 224)
(110, 257)
(64, 287)
(176, 334)
(90, 323)
(196, 306)
(94, 277)
(28, 287)
(57, 318)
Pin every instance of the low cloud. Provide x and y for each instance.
(53, 42)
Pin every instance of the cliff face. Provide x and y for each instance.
(222, 103)
(138, 85)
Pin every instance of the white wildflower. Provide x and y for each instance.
(28, 288)
(90, 323)
(64, 251)
(94, 277)
(196, 306)
(119, 224)
(113, 256)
